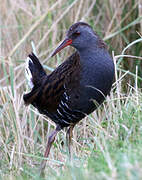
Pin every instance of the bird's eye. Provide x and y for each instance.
(76, 33)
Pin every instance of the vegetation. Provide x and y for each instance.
(108, 143)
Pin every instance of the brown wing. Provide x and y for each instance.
(59, 81)
(55, 84)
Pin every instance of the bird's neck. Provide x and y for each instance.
(95, 56)
(93, 48)
(88, 54)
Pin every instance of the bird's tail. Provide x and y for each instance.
(34, 71)
(35, 75)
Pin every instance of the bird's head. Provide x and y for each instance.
(80, 35)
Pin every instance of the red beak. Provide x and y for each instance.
(65, 43)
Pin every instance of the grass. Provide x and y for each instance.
(106, 144)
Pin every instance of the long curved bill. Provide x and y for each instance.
(65, 43)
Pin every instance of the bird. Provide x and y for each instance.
(76, 87)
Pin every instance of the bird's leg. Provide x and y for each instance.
(69, 135)
(48, 147)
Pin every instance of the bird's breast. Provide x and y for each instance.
(96, 79)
